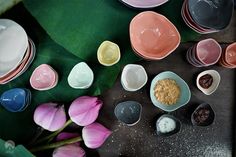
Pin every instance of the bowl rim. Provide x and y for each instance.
(142, 7)
(160, 105)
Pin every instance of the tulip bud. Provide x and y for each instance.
(67, 135)
(71, 150)
(50, 116)
(84, 110)
(94, 135)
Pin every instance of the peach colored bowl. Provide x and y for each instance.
(230, 54)
(153, 36)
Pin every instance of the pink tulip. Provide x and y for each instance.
(50, 116)
(67, 135)
(94, 135)
(71, 150)
(84, 110)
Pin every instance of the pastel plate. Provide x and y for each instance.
(143, 4)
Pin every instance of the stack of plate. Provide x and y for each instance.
(207, 16)
(205, 53)
(228, 58)
(17, 51)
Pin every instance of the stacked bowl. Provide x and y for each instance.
(17, 51)
(207, 16)
(205, 53)
(228, 58)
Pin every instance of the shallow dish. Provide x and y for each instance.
(133, 77)
(230, 54)
(143, 4)
(185, 94)
(149, 38)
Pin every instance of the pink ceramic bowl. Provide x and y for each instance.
(153, 36)
(44, 77)
(208, 51)
(230, 54)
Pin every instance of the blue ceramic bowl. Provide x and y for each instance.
(184, 96)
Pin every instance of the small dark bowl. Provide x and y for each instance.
(176, 130)
(204, 107)
(128, 112)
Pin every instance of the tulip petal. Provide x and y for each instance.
(84, 110)
(50, 116)
(70, 150)
(67, 135)
(94, 135)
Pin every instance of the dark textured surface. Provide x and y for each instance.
(141, 139)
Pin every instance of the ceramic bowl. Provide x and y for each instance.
(108, 53)
(11, 56)
(184, 88)
(44, 77)
(215, 83)
(15, 100)
(133, 77)
(208, 51)
(128, 112)
(81, 76)
(203, 115)
(143, 4)
(161, 123)
(149, 38)
(230, 54)
(211, 14)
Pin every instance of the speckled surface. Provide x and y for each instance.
(141, 140)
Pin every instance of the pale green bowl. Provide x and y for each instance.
(184, 96)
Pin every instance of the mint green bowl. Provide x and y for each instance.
(184, 96)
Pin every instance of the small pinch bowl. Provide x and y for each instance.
(230, 54)
(108, 53)
(133, 77)
(43, 78)
(128, 112)
(149, 38)
(185, 93)
(208, 51)
(215, 84)
(177, 125)
(81, 76)
(207, 120)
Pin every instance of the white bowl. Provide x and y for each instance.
(215, 84)
(133, 77)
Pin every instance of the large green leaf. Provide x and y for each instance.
(81, 25)
(20, 127)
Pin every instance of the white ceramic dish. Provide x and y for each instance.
(133, 77)
(215, 84)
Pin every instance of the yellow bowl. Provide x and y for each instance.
(108, 53)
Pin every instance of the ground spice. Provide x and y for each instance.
(167, 91)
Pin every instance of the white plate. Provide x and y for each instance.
(13, 45)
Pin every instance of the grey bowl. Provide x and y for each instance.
(128, 112)
(214, 14)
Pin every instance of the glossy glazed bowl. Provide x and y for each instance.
(143, 4)
(208, 51)
(153, 36)
(230, 54)
(185, 94)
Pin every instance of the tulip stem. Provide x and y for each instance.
(56, 144)
(51, 136)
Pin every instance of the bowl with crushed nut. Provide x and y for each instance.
(169, 91)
